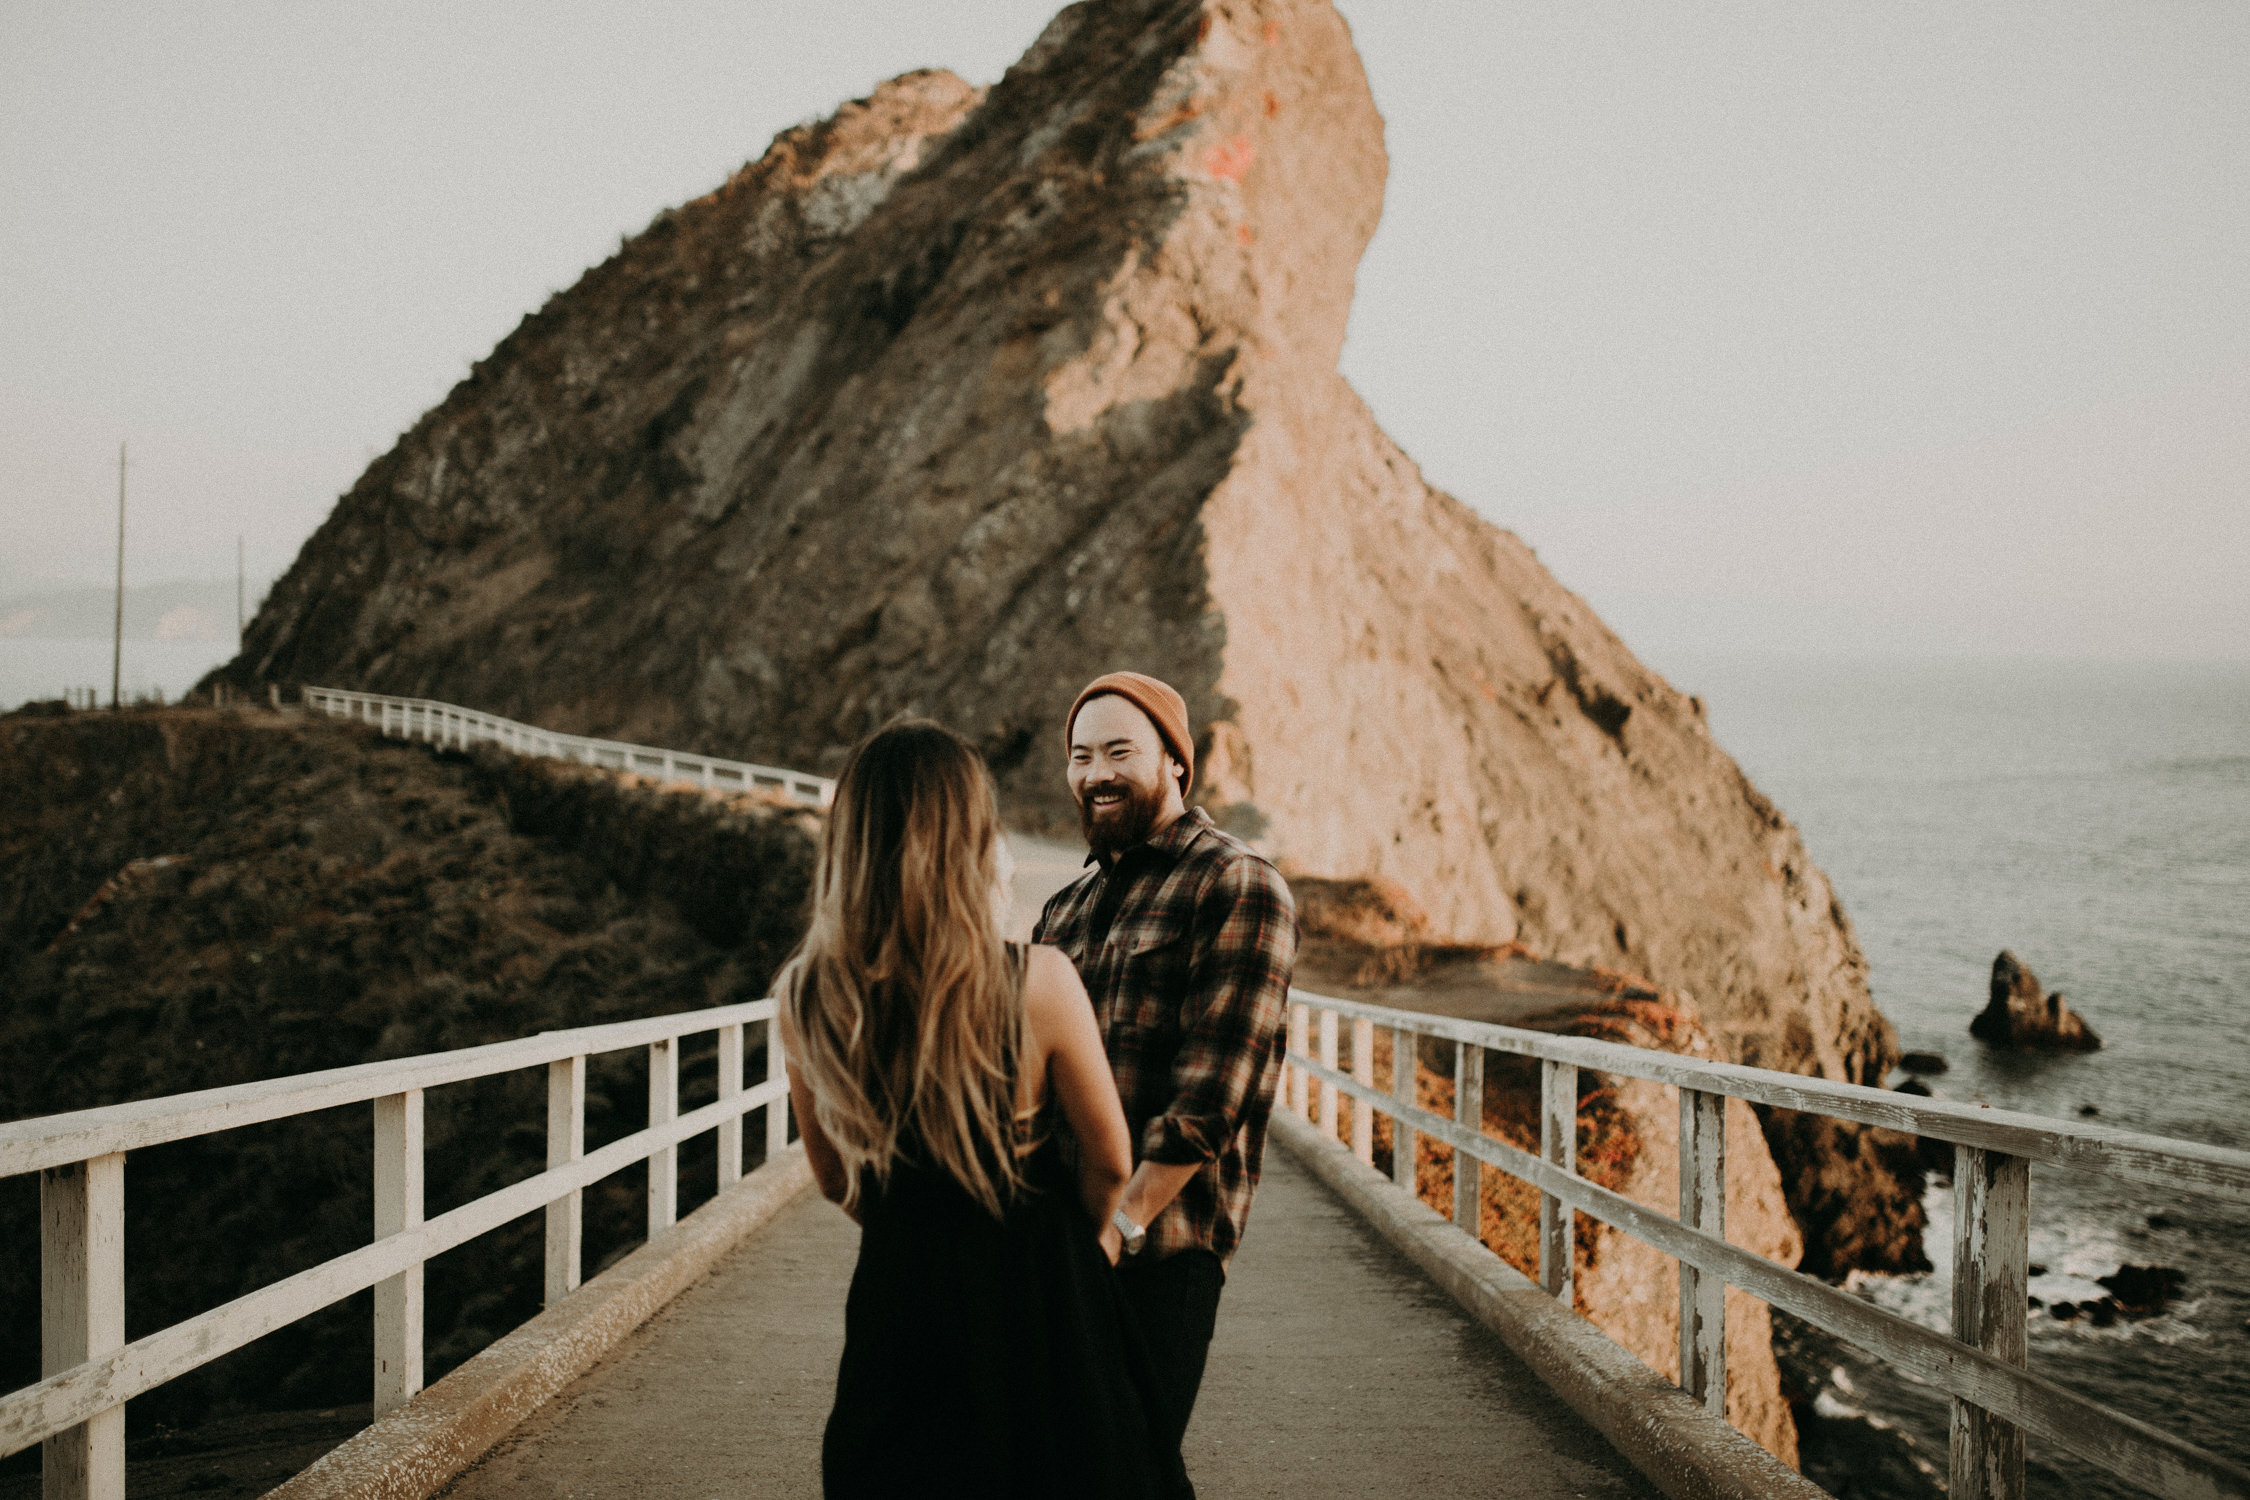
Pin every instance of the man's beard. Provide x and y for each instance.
(1114, 829)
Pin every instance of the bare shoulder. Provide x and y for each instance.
(1049, 976)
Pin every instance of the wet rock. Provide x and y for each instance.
(1841, 1448)
(1931, 1153)
(1856, 1191)
(2022, 1014)
(2142, 1291)
(2088, 1111)
(1922, 1062)
(2063, 1312)
(2102, 1314)
(2162, 1221)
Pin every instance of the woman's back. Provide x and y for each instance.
(985, 1355)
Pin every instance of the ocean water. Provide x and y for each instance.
(2096, 820)
(32, 668)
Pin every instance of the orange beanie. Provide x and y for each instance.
(1165, 708)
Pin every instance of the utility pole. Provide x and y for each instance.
(117, 641)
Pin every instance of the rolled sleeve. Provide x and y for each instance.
(1233, 1015)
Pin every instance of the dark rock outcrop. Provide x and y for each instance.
(2022, 1014)
(958, 398)
(2142, 1291)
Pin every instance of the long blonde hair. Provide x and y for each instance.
(907, 1011)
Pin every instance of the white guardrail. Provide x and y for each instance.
(1996, 1400)
(78, 1409)
(452, 725)
(90, 1371)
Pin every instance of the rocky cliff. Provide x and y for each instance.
(958, 398)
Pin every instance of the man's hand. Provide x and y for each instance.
(1154, 1184)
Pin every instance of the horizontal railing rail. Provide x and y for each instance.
(450, 724)
(1981, 1365)
(88, 1368)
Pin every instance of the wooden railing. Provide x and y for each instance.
(1996, 1400)
(450, 724)
(78, 1409)
(89, 1371)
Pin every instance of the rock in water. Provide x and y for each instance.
(956, 399)
(2142, 1291)
(2021, 1013)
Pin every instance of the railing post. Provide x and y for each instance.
(1363, 1069)
(1468, 1110)
(1283, 1090)
(82, 1316)
(1404, 1055)
(398, 1207)
(663, 1108)
(1703, 1205)
(1558, 1146)
(777, 1113)
(1328, 1091)
(730, 1086)
(1991, 1264)
(1300, 1042)
(566, 1142)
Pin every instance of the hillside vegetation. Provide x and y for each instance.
(191, 899)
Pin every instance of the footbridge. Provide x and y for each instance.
(1369, 1342)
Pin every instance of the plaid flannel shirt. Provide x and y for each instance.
(1190, 982)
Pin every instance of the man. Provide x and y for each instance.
(1185, 938)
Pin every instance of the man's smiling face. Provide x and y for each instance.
(1122, 777)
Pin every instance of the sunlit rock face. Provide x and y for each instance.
(959, 398)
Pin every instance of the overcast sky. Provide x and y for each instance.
(1901, 329)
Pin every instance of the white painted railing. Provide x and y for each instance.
(450, 724)
(77, 1410)
(1996, 1400)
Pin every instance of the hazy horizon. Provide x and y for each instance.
(1902, 335)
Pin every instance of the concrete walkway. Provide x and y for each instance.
(1338, 1370)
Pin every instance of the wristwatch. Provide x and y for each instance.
(1136, 1235)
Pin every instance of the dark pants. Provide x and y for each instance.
(1176, 1303)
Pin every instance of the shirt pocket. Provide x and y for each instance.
(1154, 983)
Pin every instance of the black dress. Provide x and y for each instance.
(985, 1356)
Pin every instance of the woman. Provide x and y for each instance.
(934, 1067)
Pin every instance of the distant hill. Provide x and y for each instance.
(188, 609)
